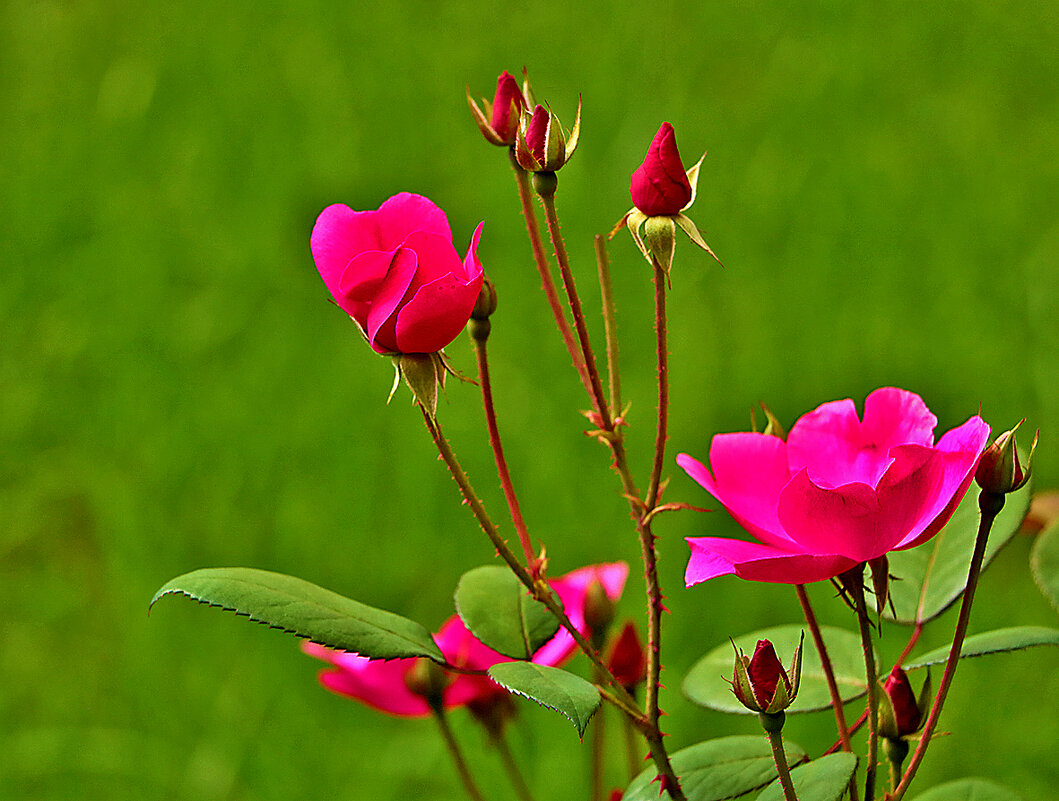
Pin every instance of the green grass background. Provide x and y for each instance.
(175, 391)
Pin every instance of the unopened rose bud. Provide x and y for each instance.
(427, 679)
(901, 713)
(760, 682)
(628, 660)
(660, 185)
(999, 470)
(499, 120)
(599, 608)
(542, 144)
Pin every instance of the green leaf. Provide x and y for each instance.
(707, 682)
(927, 579)
(969, 790)
(1044, 563)
(823, 779)
(991, 642)
(499, 611)
(556, 689)
(306, 610)
(716, 769)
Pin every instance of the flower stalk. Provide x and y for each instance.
(773, 724)
(853, 582)
(457, 756)
(610, 328)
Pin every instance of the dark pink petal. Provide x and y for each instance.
(572, 589)
(338, 235)
(897, 417)
(749, 471)
(717, 556)
(765, 671)
(822, 520)
(404, 213)
(435, 315)
(472, 267)
(537, 134)
(507, 104)
(363, 276)
(381, 322)
(959, 450)
(376, 683)
(462, 649)
(660, 185)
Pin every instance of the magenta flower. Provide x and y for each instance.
(660, 185)
(396, 272)
(840, 491)
(383, 684)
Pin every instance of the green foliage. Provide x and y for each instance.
(991, 642)
(969, 790)
(499, 611)
(298, 607)
(823, 779)
(715, 770)
(567, 694)
(1044, 562)
(930, 577)
(707, 682)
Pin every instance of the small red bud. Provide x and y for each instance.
(507, 106)
(1000, 470)
(765, 672)
(628, 660)
(660, 185)
(901, 713)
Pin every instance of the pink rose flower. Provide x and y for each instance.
(383, 684)
(396, 272)
(840, 491)
(660, 185)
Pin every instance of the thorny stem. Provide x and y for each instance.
(498, 452)
(911, 643)
(457, 756)
(598, 747)
(548, 283)
(594, 387)
(538, 588)
(990, 506)
(518, 781)
(829, 674)
(779, 756)
(854, 582)
(610, 328)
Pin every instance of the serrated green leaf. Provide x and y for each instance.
(556, 689)
(928, 578)
(499, 611)
(991, 642)
(1044, 563)
(823, 779)
(969, 790)
(299, 607)
(715, 770)
(707, 682)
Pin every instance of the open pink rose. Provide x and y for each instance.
(382, 684)
(660, 186)
(396, 272)
(839, 491)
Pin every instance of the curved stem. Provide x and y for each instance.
(547, 282)
(990, 506)
(610, 328)
(854, 582)
(498, 452)
(518, 781)
(457, 756)
(829, 674)
(663, 385)
(599, 745)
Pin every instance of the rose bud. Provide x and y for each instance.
(660, 185)
(999, 470)
(499, 122)
(627, 659)
(760, 682)
(542, 144)
(900, 712)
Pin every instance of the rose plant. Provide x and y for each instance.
(841, 496)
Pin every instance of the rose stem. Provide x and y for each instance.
(598, 749)
(539, 588)
(990, 505)
(610, 328)
(779, 756)
(545, 185)
(457, 757)
(546, 192)
(498, 449)
(547, 281)
(853, 580)
(829, 674)
(518, 781)
(632, 752)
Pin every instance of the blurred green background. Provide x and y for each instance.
(176, 392)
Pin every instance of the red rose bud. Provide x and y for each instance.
(628, 660)
(900, 712)
(499, 120)
(660, 185)
(999, 469)
(760, 682)
(543, 145)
